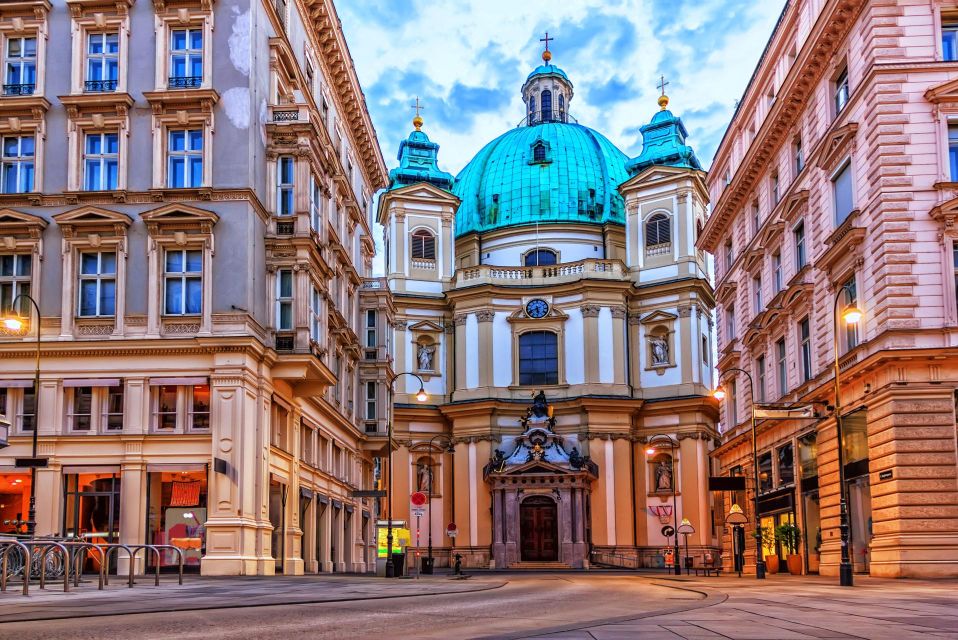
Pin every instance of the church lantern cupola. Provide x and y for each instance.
(418, 159)
(547, 91)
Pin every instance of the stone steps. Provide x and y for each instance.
(538, 566)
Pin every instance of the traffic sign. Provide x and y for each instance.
(452, 530)
(668, 531)
(418, 498)
(419, 511)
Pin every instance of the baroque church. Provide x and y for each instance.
(551, 299)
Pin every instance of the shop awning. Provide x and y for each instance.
(15, 384)
(91, 382)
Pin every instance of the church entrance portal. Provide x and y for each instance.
(538, 530)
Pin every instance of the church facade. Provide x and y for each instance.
(553, 302)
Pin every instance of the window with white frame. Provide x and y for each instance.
(799, 154)
(102, 62)
(757, 294)
(284, 299)
(101, 162)
(953, 151)
(805, 335)
(315, 203)
(842, 193)
(781, 365)
(798, 235)
(730, 322)
(756, 218)
(80, 412)
(19, 164)
(183, 282)
(26, 415)
(181, 408)
(184, 158)
(841, 94)
(774, 186)
(760, 370)
(371, 338)
(777, 272)
(285, 187)
(851, 300)
(97, 284)
(112, 413)
(315, 313)
(949, 38)
(371, 400)
(186, 58)
(15, 280)
(20, 66)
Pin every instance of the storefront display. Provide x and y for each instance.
(177, 513)
(14, 502)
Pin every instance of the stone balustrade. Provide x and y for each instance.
(549, 274)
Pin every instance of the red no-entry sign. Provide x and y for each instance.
(452, 530)
(418, 498)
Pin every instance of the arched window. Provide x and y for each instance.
(538, 358)
(561, 107)
(546, 105)
(423, 245)
(540, 258)
(658, 231)
(532, 109)
(539, 153)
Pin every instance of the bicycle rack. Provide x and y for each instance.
(116, 546)
(45, 547)
(79, 552)
(179, 553)
(4, 561)
(157, 556)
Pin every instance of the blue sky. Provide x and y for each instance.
(467, 59)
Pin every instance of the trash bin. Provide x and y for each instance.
(399, 564)
(427, 564)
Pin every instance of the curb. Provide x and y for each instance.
(37, 616)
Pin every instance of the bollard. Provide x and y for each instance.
(458, 566)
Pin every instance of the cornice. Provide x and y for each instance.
(827, 35)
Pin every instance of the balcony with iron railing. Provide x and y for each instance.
(99, 86)
(19, 89)
(185, 82)
(594, 269)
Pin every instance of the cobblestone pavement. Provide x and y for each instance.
(572, 606)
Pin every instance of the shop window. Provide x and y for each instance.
(786, 465)
(808, 455)
(855, 434)
(92, 507)
(765, 472)
(14, 502)
(177, 515)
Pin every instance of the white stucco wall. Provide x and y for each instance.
(472, 351)
(607, 355)
(501, 350)
(574, 348)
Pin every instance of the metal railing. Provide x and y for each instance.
(616, 560)
(99, 86)
(185, 82)
(19, 89)
(540, 116)
(28, 559)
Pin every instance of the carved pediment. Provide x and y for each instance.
(658, 316)
(793, 206)
(13, 221)
(423, 191)
(945, 213)
(78, 7)
(179, 215)
(89, 218)
(943, 93)
(726, 290)
(426, 326)
(836, 146)
(844, 243)
(536, 466)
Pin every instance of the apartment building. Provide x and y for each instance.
(836, 187)
(186, 190)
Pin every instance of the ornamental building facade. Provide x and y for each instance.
(836, 186)
(186, 190)
(553, 302)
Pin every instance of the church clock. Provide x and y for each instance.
(537, 308)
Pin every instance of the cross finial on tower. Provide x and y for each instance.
(417, 120)
(546, 55)
(663, 99)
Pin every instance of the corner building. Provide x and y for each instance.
(552, 263)
(186, 192)
(837, 180)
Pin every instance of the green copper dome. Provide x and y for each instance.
(553, 172)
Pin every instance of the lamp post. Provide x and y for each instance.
(673, 445)
(421, 396)
(686, 529)
(449, 449)
(719, 394)
(736, 518)
(851, 315)
(15, 323)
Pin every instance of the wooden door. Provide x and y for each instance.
(538, 530)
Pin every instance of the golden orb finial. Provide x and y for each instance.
(546, 56)
(663, 101)
(417, 122)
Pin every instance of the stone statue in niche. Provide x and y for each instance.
(424, 478)
(660, 350)
(425, 357)
(540, 408)
(663, 476)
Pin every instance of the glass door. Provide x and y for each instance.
(92, 510)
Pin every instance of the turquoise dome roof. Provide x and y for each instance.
(548, 70)
(574, 179)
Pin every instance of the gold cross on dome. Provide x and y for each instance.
(546, 40)
(662, 84)
(417, 106)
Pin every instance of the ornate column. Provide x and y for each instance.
(590, 338)
(486, 347)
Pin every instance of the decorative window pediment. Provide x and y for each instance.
(162, 6)
(30, 9)
(946, 213)
(945, 95)
(89, 220)
(844, 244)
(793, 207)
(179, 217)
(15, 223)
(80, 8)
(426, 327)
(836, 146)
(658, 316)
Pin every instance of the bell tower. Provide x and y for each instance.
(547, 91)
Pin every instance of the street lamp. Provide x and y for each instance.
(16, 324)
(719, 394)
(651, 451)
(737, 519)
(686, 529)
(449, 449)
(421, 396)
(851, 315)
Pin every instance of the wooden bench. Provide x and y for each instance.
(715, 568)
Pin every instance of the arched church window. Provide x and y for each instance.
(423, 245)
(541, 258)
(546, 105)
(532, 109)
(561, 107)
(658, 234)
(538, 358)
